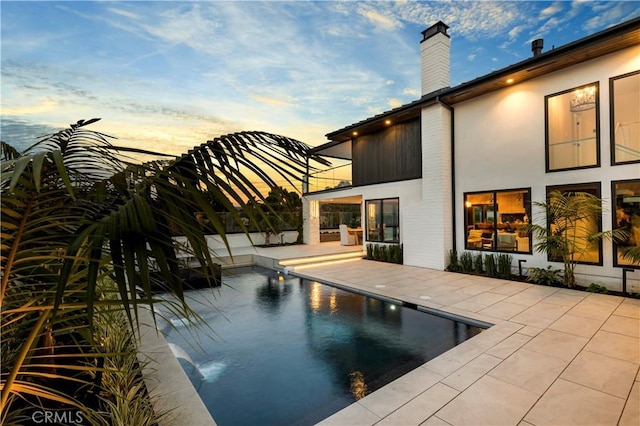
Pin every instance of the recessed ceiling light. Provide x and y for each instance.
(509, 81)
(387, 122)
(355, 133)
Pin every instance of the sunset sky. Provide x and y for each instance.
(168, 75)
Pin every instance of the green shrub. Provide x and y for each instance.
(543, 276)
(454, 266)
(384, 255)
(477, 263)
(490, 265)
(395, 253)
(466, 262)
(597, 288)
(504, 265)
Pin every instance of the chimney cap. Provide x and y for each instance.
(536, 46)
(438, 27)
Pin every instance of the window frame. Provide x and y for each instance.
(527, 207)
(578, 187)
(612, 120)
(546, 128)
(366, 230)
(614, 223)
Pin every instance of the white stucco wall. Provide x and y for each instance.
(500, 144)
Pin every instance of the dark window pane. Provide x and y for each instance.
(626, 197)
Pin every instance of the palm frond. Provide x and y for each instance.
(75, 210)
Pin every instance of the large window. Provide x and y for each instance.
(383, 220)
(626, 200)
(572, 129)
(625, 118)
(496, 220)
(577, 231)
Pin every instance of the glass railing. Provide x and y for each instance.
(232, 224)
(335, 177)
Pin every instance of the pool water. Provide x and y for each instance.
(293, 351)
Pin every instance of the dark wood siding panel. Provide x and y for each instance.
(390, 155)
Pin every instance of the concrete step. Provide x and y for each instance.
(301, 262)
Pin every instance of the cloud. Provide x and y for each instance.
(389, 82)
(411, 92)
(21, 133)
(604, 19)
(40, 106)
(381, 18)
(271, 101)
(515, 31)
(471, 57)
(124, 13)
(552, 10)
(395, 103)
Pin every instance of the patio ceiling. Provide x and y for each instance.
(355, 199)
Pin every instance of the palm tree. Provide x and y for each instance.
(76, 210)
(565, 230)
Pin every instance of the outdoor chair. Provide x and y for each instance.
(346, 238)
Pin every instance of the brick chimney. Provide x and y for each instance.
(435, 58)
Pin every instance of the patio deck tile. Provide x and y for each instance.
(453, 359)
(616, 346)
(565, 299)
(595, 308)
(509, 345)
(354, 415)
(421, 407)
(529, 370)
(503, 310)
(623, 325)
(489, 401)
(557, 344)
(470, 373)
(603, 373)
(397, 393)
(509, 288)
(450, 298)
(631, 412)
(434, 421)
(578, 326)
(530, 330)
(524, 298)
(567, 403)
(629, 308)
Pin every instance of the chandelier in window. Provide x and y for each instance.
(583, 99)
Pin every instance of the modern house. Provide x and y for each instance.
(461, 167)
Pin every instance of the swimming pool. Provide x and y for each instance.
(293, 351)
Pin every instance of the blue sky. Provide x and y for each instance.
(168, 75)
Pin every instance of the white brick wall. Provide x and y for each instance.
(436, 187)
(311, 225)
(435, 60)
